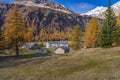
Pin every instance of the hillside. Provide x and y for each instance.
(44, 4)
(44, 17)
(88, 64)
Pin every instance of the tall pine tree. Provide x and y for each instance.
(14, 29)
(108, 34)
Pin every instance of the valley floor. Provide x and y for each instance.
(85, 64)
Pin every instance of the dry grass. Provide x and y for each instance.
(90, 64)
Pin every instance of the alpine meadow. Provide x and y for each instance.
(59, 40)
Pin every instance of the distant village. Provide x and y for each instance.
(59, 47)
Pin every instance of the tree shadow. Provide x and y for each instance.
(13, 61)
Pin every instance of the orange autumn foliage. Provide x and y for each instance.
(92, 33)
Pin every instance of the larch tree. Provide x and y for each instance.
(118, 28)
(63, 35)
(56, 35)
(92, 33)
(29, 37)
(34, 32)
(31, 34)
(14, 29)
(68, 35)
(118, 20)
(0, 35)
(76, 38)
(43, 35)
(47, 35)
(108, 34)
(1, 39)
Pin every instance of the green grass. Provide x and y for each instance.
(86, 64)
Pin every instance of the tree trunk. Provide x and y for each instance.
(17, 51)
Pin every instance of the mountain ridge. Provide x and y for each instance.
(45, 17)
(43, 4)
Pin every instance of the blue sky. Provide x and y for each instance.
(80, 6)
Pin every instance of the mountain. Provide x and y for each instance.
(97, 12)
(43, 4)
(100, 11)
(50, 17)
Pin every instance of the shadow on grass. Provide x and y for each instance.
(13, 61)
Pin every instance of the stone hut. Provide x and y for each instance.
(61, 50)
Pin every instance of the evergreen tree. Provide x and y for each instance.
(14, 29)
(76, 38)
(92, 33)
(108, 34)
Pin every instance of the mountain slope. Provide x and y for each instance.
(48, 18)
(100, 11)
(43, 4)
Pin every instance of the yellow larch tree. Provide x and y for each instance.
(29, 37)
(118, 31)
(43, 35)
(14, 29)
(92, 33)
(1, 39)
(76, 38)
(118, 20)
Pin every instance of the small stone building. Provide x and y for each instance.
(56, 44)
(31, 46)
(61, 50)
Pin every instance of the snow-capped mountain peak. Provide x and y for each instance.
(96, 12)
(117, 4)
(100, 10)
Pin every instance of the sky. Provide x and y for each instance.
(79, 6)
